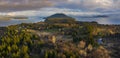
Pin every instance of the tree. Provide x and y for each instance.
(89, 29)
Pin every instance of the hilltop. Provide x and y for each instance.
(59, 18)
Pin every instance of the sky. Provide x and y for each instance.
(70, 7)
(88, 5)
(48, 7)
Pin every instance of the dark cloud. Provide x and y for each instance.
(16, 5)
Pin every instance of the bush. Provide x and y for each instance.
(100, 52)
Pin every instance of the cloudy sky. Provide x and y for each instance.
(88, 5)
(70, 7)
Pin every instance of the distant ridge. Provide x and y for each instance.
(59, 15)
(59, 18)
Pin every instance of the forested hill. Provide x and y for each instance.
(59, 18)
(59, 38)
(28, 40)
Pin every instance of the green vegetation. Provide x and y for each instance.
(83, 33)
(56, 40)
(16, 43)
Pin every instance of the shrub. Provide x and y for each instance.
(81, 44)
(100, 52)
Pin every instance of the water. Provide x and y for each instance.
(102, 20)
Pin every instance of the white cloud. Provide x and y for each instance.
(50, 11)
(98, 3)
(90, 4)
(104, 21)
